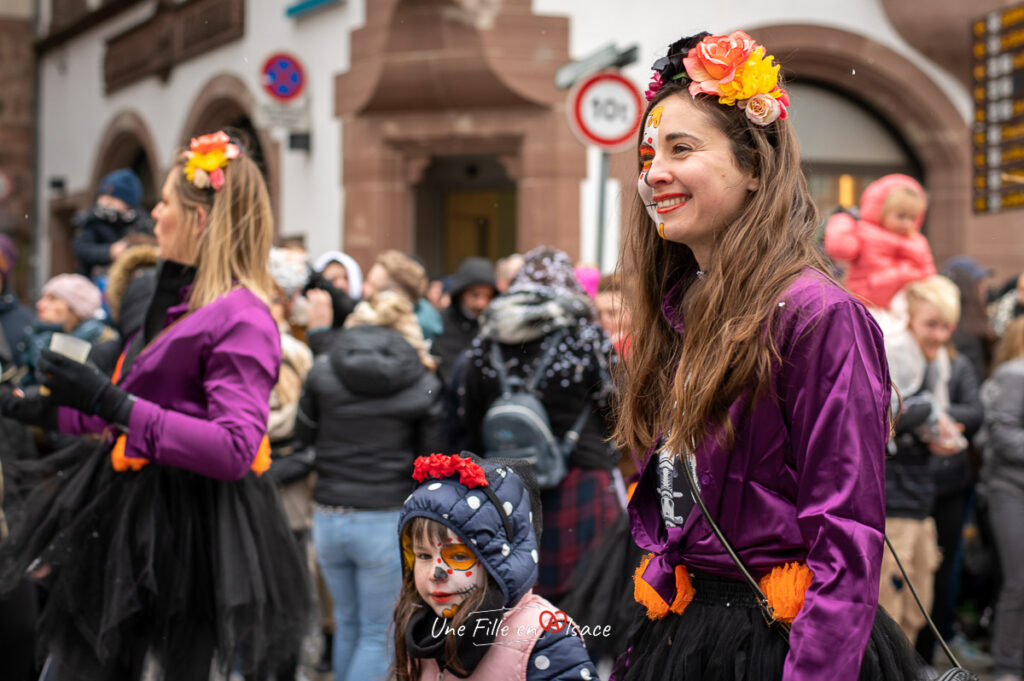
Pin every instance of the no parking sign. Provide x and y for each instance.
(283, 76)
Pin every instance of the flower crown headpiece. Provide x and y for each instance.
(732, 67)
(207, 156)
(441, 466)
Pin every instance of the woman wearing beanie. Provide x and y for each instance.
(370, 406)
(69, 304)
(167, 548)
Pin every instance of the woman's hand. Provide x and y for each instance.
(83, 387)
(30, 407)
(321, 309)
(950, 437)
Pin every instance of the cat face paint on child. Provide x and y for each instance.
(648, 147)
(446, 573)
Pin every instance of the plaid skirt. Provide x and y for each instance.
(576, 515)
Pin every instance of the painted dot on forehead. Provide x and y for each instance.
(450, 571)
(469, 573)
(438, 560)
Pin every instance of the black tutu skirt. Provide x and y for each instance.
(602, 591)
(713, 641)
(159, 562)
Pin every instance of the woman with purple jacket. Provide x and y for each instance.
(161, 541)
(759, 378)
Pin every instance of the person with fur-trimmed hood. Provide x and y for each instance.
(469, 561)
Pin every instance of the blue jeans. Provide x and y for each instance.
(359, 557)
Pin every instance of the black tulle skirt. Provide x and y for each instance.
(713, 641)
(161, 562)
(602, 591)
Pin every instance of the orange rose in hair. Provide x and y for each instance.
(204, 144)
(715, 60)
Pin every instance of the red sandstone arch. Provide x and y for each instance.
(221, 100)
(896, 90)
(126, 135)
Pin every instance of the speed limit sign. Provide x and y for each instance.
(605, 110)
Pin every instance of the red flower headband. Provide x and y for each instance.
(442, 466)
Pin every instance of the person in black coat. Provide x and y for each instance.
(954, 481)
(472, 290)
(371, 404)
(546, 304)
(114, 222)
(15, 318)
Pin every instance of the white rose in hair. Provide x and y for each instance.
(761, 109)
(201, 178)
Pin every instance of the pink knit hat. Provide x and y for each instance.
(81, 295)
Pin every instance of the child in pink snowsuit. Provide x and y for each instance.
(885, 247)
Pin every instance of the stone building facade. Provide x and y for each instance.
(435, 126)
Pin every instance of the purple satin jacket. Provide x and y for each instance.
(804, 481)
(202, 387)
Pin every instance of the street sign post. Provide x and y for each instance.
(605, 110)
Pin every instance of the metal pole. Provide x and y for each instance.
(602, 181)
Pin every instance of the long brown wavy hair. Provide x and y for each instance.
(407, 668)
(681, 384)
(234, 247)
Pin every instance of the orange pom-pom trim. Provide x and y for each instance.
(122, 463)
(645, 595)
(785, 587)
(262, 461)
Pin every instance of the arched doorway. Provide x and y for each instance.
(489, 95)
(894, 90)
(224, 102)
(838, 167)
(901, 102)
(465, 205)
(125, 143)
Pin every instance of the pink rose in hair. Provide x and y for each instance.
(217, 178)
(715, 59)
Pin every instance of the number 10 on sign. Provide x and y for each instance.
(605, 111)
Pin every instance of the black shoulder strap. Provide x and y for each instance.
(499, 366)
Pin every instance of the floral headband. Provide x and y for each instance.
(441, 466)
(207, 156)
(732, 67)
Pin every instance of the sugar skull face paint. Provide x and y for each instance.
(648, 148)
(446, 573)
(692, 186)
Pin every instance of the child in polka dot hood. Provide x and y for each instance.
(469, 556)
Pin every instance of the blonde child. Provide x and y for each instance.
(884, 247)
(469, 561)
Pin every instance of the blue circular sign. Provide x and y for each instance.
(283, 76)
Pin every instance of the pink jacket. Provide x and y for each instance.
(509, 657)
(881, 262)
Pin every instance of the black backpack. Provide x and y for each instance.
(516, 425)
